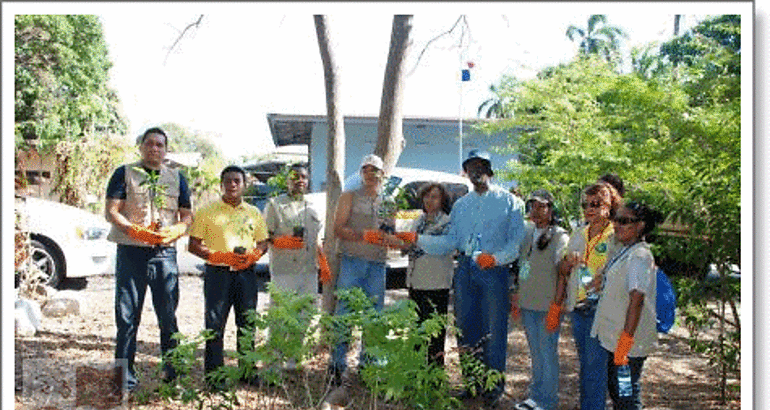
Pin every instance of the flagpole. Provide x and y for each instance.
(460, 116)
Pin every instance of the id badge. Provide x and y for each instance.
(524, 270)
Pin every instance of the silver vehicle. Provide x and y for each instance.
(66, 242)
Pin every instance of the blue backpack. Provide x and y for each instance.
(665, 303)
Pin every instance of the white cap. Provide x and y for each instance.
(372, 160)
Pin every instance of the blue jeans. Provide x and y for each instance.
(543, 349)
(136, 268)
(633, 402)
(481, 307)
(593, 362)
(370, 277)
(223, 289)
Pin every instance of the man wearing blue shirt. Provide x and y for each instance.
(486, 227)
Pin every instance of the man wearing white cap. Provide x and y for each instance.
(362, 264)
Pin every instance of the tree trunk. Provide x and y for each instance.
(390, 134)
(335, 155)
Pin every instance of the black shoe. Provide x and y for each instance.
(254, 381)
(464, 394)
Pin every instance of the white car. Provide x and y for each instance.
(67, 241)
(409, 180)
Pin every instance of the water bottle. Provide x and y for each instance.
(624, 381)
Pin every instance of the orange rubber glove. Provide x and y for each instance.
(225, 258)
(408, 237)
(625, 342)
(486, 260)
(324, 273)
(144, 235)
(552, 318)
(249, 258)
(374, 237)
(515, 310)
(288, 242)
(173, 232)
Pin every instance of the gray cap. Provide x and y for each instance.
(479, 154)
(372, 160)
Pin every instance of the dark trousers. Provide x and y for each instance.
(136, 268)
(633, 402)
(429, 302)
(222, 290)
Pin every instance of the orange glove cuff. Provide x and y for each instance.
(625, 342)
(486, 261)
(324, 273)
(409, 237)
(552, 318)
(372, 236)
(220, 258)
(288, 242)
(144, 235)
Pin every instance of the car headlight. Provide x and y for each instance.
(91, 233)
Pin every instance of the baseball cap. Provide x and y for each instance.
(541, 195)
(372, 160)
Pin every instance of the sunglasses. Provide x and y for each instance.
(592, 204)
(624, 220)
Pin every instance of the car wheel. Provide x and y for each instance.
(48, 261)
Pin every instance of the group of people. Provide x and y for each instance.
(230, 234)
(497, 263)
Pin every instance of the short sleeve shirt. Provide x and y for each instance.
(222, 227)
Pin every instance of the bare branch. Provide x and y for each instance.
(446, 33)
(181, 35)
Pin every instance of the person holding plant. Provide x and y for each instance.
(625, 316)
(486, 226)
(362, 263)
(428, 277)
(543, 248)
(579, 275)
(231, 236)
(294, 227)
(148, 205)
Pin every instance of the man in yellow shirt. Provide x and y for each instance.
(231, 236)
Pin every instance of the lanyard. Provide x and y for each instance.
(591, 243)
(616, 257)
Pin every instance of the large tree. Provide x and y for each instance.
(61, 79)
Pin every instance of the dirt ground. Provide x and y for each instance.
(81, 348)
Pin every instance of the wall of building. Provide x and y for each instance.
(432, 146)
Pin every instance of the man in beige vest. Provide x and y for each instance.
(149, 207)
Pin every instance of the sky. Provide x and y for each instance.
(246, 60)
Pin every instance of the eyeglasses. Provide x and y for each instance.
(592, 204)
(624, 220)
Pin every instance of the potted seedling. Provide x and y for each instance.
(246, 229)
(157, 197)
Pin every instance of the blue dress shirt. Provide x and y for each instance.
(492, 222)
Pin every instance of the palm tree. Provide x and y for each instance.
(495, 106)
(598, 38)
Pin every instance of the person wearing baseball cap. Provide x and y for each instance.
(362, 263)
(486, 227)
(542, 249)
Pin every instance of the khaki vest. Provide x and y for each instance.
(363, 215)
(611, 311)
(136, 207)
(537, 290)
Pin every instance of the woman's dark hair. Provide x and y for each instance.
(445, 206)
(615, 181)
(545, 238)
(232, 168)
(644, 213)
(608, 193)
(154, 130)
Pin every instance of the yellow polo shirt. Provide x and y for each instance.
(222, 227)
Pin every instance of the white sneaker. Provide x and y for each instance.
(528, 404)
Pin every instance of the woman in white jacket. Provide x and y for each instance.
(625, 316)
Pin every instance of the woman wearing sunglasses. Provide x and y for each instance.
(587, 252)
(625, 315)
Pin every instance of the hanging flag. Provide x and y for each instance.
(466, 73)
